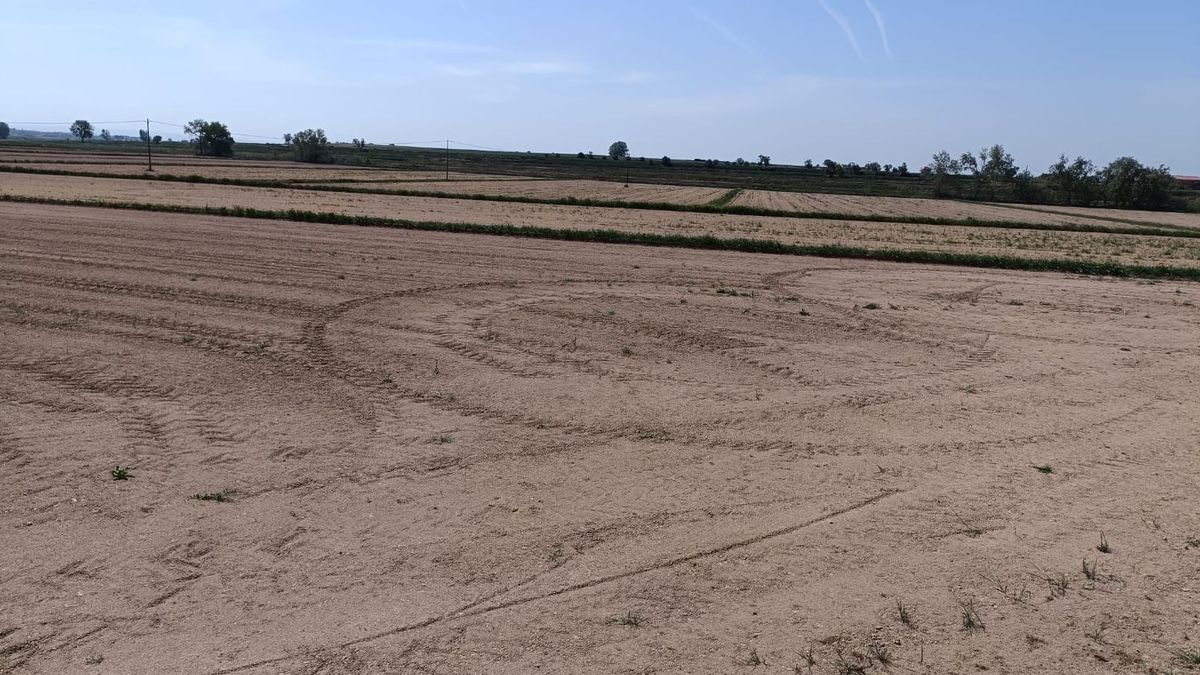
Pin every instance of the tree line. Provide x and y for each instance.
(1123, 183)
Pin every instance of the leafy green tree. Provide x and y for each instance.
(105, 135)
(360, 143)
(618, 150)
(940, 169)
(210, 138)
(1129, 184)
(4, 130)
(872, 168)
(311, 146)
(82, 129)
(666, 161)
(157, 139)
(287, 139)
(1072, 181)
(764, 160)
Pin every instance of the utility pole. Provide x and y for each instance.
(149, 156)
(447, 159)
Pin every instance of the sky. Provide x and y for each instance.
(853, 80)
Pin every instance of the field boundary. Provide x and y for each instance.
(706, 242)
(710, 207)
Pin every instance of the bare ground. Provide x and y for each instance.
(457, 453)
(1130, 249)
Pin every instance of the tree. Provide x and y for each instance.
(105, 135)
(311, 146)
(143, 136)
(1129, 184)
(902, 170)
(618, 150)
(940, 169)
(1073, 182)
(211, 138)
(4, 130)
(832, 168)
(360, 143)
(666, 161)
(808, 164)
(82, 129)
(764, 160)
(287, 139)
(872, 168)
(157, 139)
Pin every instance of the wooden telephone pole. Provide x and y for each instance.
(149, 155)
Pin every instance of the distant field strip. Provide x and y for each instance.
(708, 242)
(602, 194)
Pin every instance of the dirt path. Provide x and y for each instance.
(458, 453)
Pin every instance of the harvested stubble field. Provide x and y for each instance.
(1188, 220)
(567, 189)
(904, 207)
(273, 171)
(1128, 249)
(428, 452)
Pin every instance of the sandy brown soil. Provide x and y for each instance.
(457, 453)
(1124, 248)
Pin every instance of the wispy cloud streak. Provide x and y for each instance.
(728, 34)
(882, 29)
(841, 21)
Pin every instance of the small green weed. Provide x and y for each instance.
(879, 652)
(971, 621)
(1044, 468)
(1103, 546)
(627, 619)
(122, 473)
(1058, 585)
(1187, 657)
(188, 339)
(871, 305)
(1089, 570)
(753, 659)
(626, 351)
(904, 613)
(222, 496)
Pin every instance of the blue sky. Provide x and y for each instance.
(852, 80)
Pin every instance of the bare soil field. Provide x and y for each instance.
(449, 453)
(1033, 243)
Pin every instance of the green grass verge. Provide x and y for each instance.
(711, 207)
(706, 242)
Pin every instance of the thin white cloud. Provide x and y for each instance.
(841, 21)
(882, 29)
(436, 46)
(725, 32)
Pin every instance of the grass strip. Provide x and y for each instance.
(727, 198)
(710, 207)
(705, 242)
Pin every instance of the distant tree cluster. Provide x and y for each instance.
(210, 138)
(832, 168)
(1124, 183)
(4, 130)
(310, 145)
